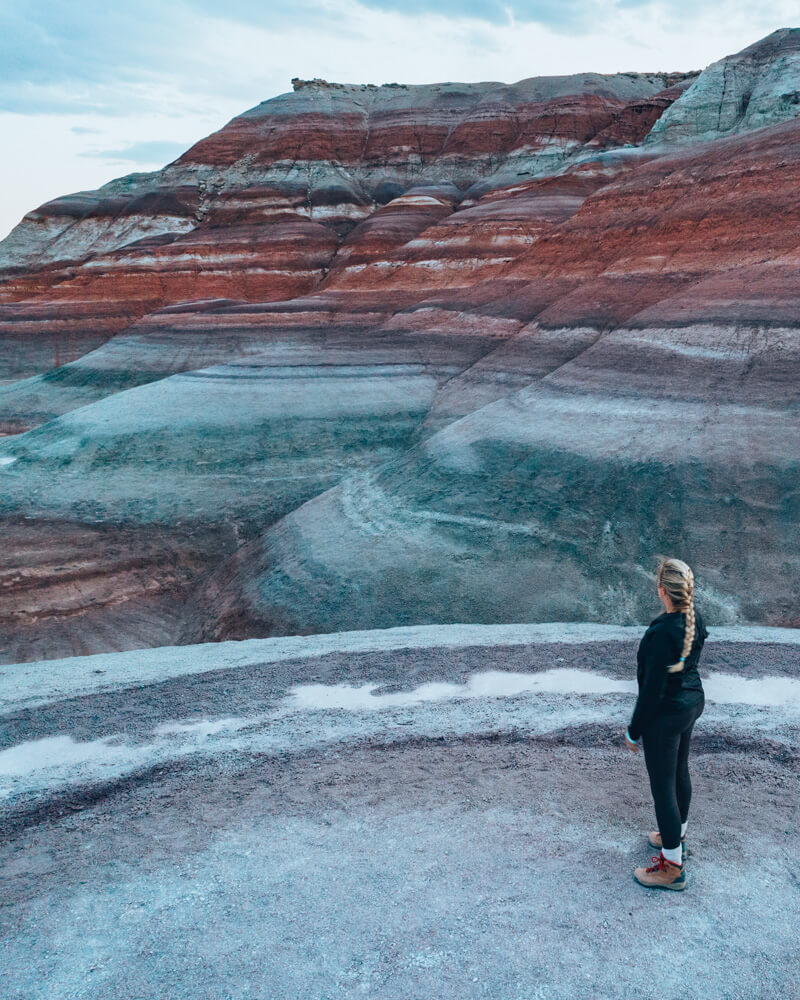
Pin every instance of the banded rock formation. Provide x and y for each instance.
(260, 204)
(446, 353)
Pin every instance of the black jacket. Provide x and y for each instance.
(660, 691)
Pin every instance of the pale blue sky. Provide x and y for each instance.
(91, 90)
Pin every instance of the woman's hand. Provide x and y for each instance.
(633, 747)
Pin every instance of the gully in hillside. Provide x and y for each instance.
(670, 701)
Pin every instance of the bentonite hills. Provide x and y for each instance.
(405, 355)
(336, 457)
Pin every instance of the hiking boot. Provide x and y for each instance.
(662, 874)
(654, 840)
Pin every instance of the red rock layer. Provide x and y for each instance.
(653, 246)
(372, 127)
(476, 243)
(85, 588)
(110, 292)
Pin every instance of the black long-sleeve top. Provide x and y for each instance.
(659, 690)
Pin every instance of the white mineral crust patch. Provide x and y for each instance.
(37, 683)
(306, 715)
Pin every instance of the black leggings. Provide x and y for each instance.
(666, 753)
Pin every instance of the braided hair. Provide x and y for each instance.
(677, 579)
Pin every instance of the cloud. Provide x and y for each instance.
(43, 42)
(116, 59)
(79, 57)
(94, 57)
(552, 13)
(141, 152)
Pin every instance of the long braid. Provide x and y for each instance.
(677, 579)
(688, 635)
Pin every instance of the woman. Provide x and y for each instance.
(670, 701)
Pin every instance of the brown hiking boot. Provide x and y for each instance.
(654, 840)
(662, 874)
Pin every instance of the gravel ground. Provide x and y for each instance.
(453, 848)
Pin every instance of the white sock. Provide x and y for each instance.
(683, 828)
(673, 854)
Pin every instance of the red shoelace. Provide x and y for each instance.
(660, 864)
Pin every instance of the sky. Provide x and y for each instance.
(92, 90)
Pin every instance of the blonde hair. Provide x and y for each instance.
(677, 579)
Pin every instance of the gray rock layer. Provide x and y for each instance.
(756, 87)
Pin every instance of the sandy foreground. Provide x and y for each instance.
(431, 812)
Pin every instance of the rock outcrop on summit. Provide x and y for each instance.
(757, 87)
(372, 356)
